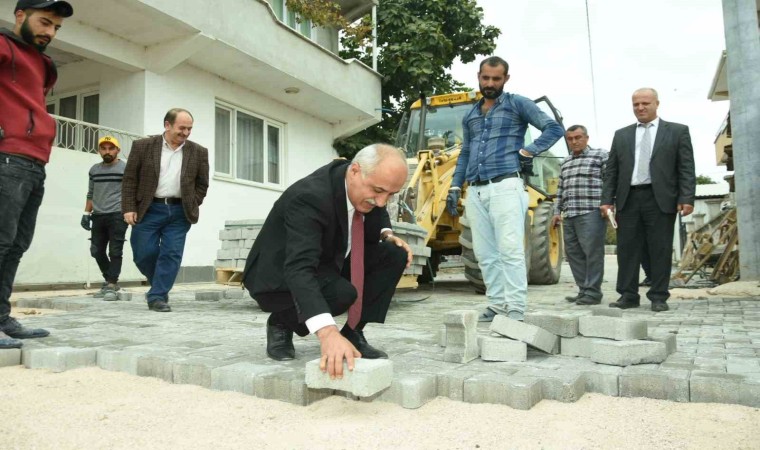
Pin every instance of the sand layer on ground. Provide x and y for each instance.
(92, 408)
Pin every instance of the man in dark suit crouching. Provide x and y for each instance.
(300, 267)
(650, 178)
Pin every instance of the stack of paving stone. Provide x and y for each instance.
(416, 237)
(617, 341)
(603, 339)
(237, 239)
(238, 236)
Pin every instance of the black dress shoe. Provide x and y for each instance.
(15, 330)
(573, 298)
(647, 282)
(586, 300)
(357, 339)
(624, 304)
(660, 306)
(279, 342)
(159, 306)
(7, 342)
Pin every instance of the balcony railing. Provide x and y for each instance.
(83, 136)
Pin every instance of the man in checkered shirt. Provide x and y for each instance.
(577, 207)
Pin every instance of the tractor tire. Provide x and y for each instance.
(471, 268)
(546, 247)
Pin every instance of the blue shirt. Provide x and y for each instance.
(491, 143)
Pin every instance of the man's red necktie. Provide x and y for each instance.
(357, 268)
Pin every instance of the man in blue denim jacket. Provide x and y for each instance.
(493, 152)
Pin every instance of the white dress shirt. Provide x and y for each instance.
(171, 170)
(637, 150)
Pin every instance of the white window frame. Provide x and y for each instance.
(267, 122)
(80, 95)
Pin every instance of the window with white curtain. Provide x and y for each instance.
(247, 146)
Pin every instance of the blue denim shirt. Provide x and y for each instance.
(491, 143)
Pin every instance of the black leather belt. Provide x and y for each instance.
(495, 179)
(28, 158)
(638, 187)
(168, 200)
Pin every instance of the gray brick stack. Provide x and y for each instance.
(238, 237)
(617, 341)
(416, 237)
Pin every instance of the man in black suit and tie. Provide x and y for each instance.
(300, 267)
(649, 178)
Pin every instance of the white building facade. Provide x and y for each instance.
(268, 93)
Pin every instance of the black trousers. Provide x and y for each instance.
(108, 232)
(384, 264)
(643, 224)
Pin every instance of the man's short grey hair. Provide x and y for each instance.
(645, 89)
(370, 156)
(578, 127)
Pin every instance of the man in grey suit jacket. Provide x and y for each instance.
(649, 178)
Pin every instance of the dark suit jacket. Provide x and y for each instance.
(671, 167)
(304, 237)
(141, 177)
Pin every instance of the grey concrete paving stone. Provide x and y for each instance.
(238, 377)
(209, 296)
(564, 325)
(411, 391)
(516, 392)
(530, 334)
(195, 370)
(502, 349)
(10, 357)
(576, 346)
(461, 336)
(711, 387)
(369, 377)
(625, 353)
(236, 294)
(619, 329)
(562, 385)
(659, 384)
(606, 311)
(58, 359)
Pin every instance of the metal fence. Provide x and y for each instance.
(83, 136)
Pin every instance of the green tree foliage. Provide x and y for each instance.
(417, 40)
(704, 179)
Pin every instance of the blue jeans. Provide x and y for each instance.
(584, 249)
(496, 213)
(22, 185)
(158, 242)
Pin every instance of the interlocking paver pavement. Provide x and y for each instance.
(221, 345)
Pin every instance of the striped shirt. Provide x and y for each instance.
(105, 187)
(580, 183)
(491, 143)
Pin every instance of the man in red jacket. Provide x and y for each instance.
(26, 137)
